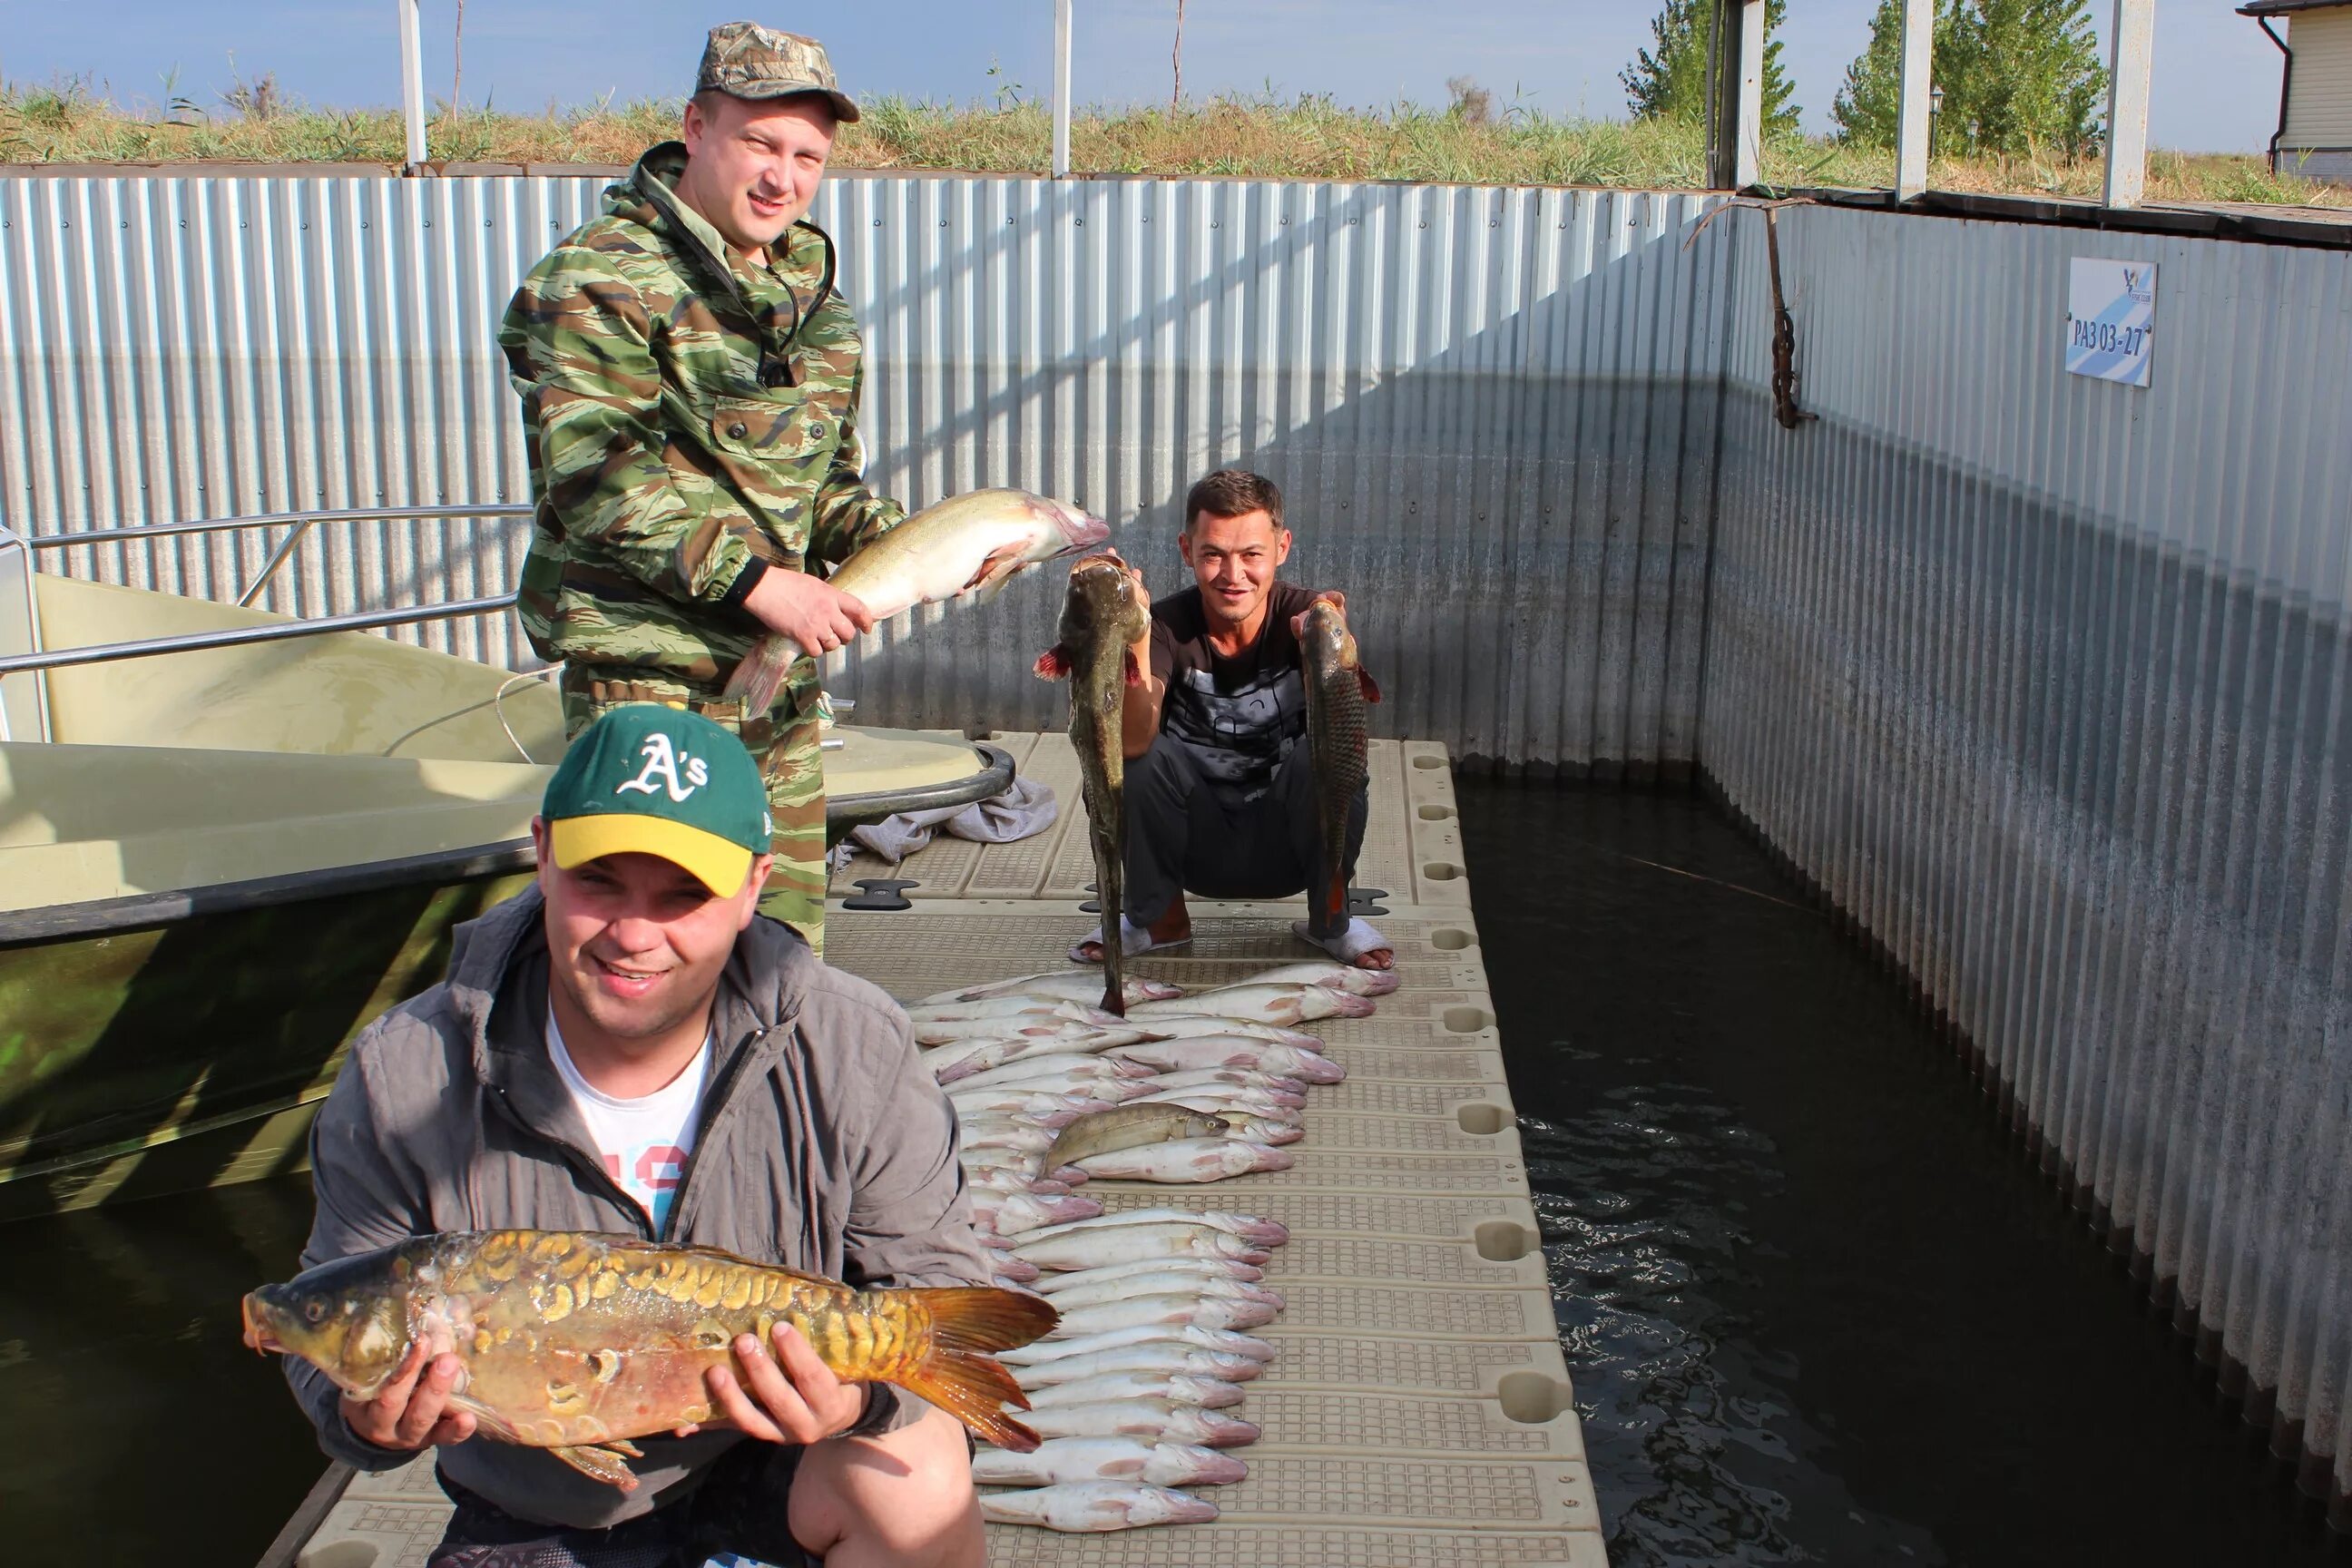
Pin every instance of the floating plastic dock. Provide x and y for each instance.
(1418, 1415)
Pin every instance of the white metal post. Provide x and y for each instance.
(1918, 76)
(1061, 88)
(412, 82)
(2127, 95)
(1748, 142)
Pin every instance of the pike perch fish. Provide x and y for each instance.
(1129, 1127)
(578, 1342)
(1336, 690)
(974, 541)
(1100, 624)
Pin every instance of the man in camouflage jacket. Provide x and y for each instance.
(689, 381)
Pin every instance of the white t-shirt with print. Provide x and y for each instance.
(644, 1142)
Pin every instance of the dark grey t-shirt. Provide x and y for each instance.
(1240, 716)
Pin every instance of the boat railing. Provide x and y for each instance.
(298, 525)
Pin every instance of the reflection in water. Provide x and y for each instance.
(134, 1425)
(1816, 1307)
(1639, 1237)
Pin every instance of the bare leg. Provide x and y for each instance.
(903, 1499)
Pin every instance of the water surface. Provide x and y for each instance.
(135, 1427)
(1816, 1307)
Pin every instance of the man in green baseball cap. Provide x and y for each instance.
(627, 1048)
(690, 381)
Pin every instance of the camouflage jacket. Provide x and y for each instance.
(678, 434)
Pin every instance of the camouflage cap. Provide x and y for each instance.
(745, 60)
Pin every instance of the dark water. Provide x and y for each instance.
(1817, 1309)
(135, 1427)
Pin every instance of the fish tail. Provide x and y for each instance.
(957, 1375)
(762, 674)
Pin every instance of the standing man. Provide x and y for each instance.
(1220, 782)
(689, 378)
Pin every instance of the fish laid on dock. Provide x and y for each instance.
(1100, 623)
(1128, 1126)
(1231, 1051)
(578, 1342)
(1160, 1356)
(1093, 1249)
(1281, 1005)
(967, 543)
(1330, 972)
(1068, 985)
(1176, 1387)
(1226, 1341)
(1178, 1275)
(1189, 1160)
(1254, 1228)
(1203, 1267)
(1177, 1309)
(1068, 1459)
(1082, 1506)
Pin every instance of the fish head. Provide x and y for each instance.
(1325, 633)
(1069, 528)
(1101, 603)
(350, 1319)
(1205, 1124)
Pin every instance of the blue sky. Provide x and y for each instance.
(2216, 86)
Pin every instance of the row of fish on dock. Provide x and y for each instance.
(1132, 1392)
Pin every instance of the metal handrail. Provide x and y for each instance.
(270, 520)
(191, 642)
(302, 523)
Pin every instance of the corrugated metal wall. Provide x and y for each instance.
(1492, 411)
(2044, 680)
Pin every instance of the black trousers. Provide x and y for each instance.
(1185, 834)
(740, 1506)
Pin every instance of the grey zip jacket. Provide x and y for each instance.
(822, 1145)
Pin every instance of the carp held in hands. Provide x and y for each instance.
(578, 1342)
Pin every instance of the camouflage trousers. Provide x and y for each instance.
(785, 746)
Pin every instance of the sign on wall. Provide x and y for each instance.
(2110, 319)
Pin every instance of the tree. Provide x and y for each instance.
(1869, 105)
(1671, 84)
(2028, 78)
(2019, 77)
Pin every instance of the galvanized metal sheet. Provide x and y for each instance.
(1491, 411)
(2043, 679)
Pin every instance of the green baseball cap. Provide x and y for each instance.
(745, 60)
(649, 779)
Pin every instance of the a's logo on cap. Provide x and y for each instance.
(661, 769)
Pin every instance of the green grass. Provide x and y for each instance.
(1307, 138)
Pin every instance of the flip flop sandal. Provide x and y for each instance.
(1351, 945)
(1133, 942)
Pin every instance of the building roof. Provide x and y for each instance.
(2288, 8)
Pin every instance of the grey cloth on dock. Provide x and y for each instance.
(1185, 833)
(823, 1146)
(1026, 808)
